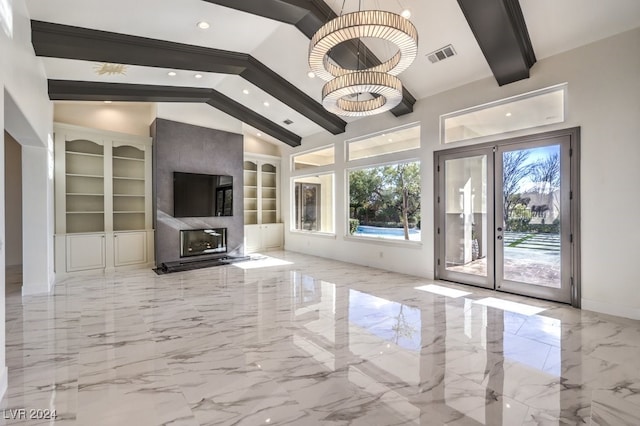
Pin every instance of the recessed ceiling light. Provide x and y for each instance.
(198, 76)
(107, 102)
(508, 114)
(311, 74)
(390, 140)
(258, 134)
(245, 91)
(171, 73)
(406, 14)
(265, 103)
(203, 25)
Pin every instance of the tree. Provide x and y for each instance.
(546, 175)
(404, 182)
(514, 170)
(364, 195)
(386, 194)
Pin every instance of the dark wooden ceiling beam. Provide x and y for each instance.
(68, 42)
(64, 41)
(501, 31)
(68, 90)
(308, 16)
(262, 76)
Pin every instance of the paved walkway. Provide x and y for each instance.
(528, 258)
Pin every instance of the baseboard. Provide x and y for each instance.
(611, 309)
(4, 382)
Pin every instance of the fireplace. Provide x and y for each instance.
(197, 242)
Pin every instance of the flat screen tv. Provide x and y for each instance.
(198, 195)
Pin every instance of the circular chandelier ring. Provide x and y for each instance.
(362, 24)
(388, 88)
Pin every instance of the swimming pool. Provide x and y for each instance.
(375, 231)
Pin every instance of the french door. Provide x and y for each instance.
(506, 216)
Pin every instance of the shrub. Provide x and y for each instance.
(353, 226)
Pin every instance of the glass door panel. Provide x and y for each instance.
(466, 218)
(532, 214)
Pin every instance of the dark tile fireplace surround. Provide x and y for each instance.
(181, 147)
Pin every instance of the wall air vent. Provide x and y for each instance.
(287, 122)
(441, 54)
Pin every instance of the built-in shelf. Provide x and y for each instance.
(129, 159)
(128, 178)
(103, 199)
(85, 154)
(84, 176)
(87, 212)
(261, 190)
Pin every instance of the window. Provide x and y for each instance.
(538, 108)
(384, 201)
(317, 158)
(385, 143)
(313, 203)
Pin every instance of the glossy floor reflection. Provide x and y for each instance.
(302, 340)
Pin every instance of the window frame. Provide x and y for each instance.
(562, 87)
(348, 142)
(292, 157)
(415, 158)
(293, 223)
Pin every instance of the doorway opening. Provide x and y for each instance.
(507, 215)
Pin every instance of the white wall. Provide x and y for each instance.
(26, 113)
(603, 99)
(254, 145)
(13, 200)
(133, 118)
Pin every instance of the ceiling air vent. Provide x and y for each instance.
(441, 54)
(287, 122)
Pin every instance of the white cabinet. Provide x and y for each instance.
(252, 238)
(85, 252)
(129, 248)
(272, 235)
(102, 191)
(263, 237)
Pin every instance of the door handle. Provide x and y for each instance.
(499, 229)
(499, 237)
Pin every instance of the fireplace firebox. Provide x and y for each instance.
(197, 242)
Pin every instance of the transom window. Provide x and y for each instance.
(388, 142)
(317, 158)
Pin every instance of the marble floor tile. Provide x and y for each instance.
(309, 341)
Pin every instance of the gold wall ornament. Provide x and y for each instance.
(110, 69)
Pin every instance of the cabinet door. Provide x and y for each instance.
(252, 238)
(272, 235)
(85, 252)
(129, 248)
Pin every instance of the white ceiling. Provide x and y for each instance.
(554, 26)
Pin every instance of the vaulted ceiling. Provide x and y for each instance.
(251, 63)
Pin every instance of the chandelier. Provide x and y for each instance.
(380, 81)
